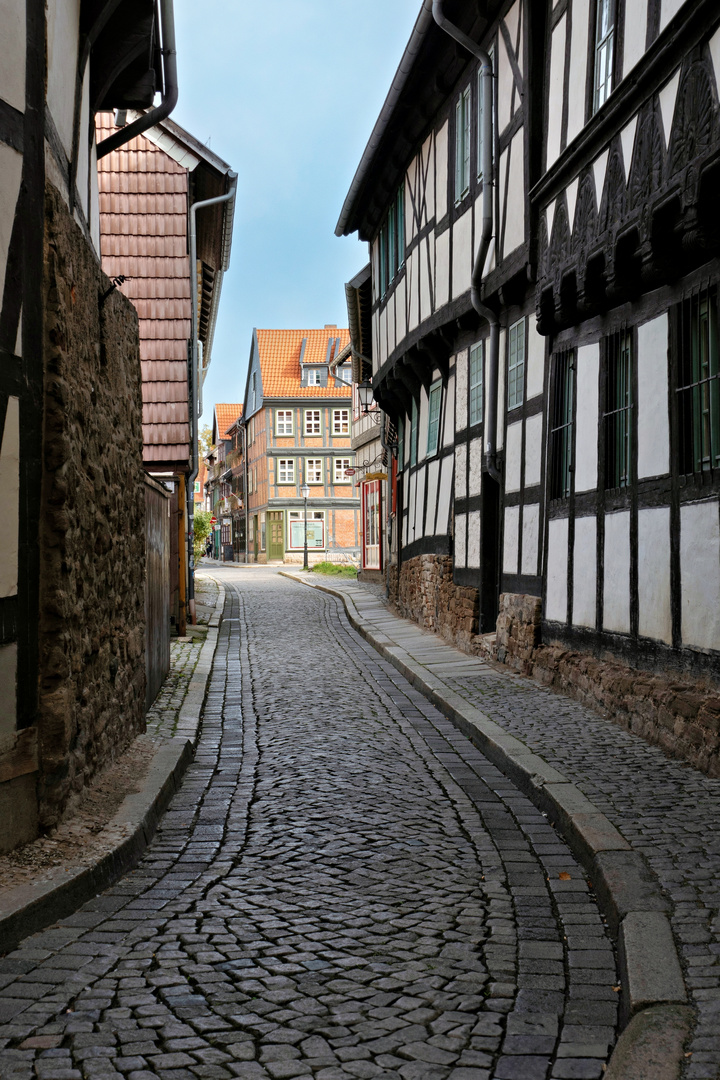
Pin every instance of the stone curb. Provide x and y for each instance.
(626, 887)
(29, 908)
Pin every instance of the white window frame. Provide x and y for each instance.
(285, 466)
(339, 467)
(434, 417)
(462, 144)
(338, 422)
(313, 377)
(604, 52)
(314, 517)
(476, 383)
(516, 364)
(309, 424)
(284, 424)
(313, 470)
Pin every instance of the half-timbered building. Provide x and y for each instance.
(539, 195)
(72, 678)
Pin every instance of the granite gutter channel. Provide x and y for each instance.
(656, 1018)
(31, 907)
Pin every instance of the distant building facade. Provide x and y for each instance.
(297, 430)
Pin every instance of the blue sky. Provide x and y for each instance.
(287, 92)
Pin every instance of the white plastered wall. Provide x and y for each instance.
(511, 537)
(616, 581)
(461, 254)
(513, 456)
(460, 555)
(461, 405)
(655, 614)
(12, 54)
(433, 471)
(557, 568)
(535, 360)
(475, 472)
(533, 450)
(635, 33)
(445, 496)
(515, 212)
(557, 75)
(586, 436)
(584, 572)
(653, 420)
(530, 539)
(461, 471)
(700, 574)
(441, 172)
(10, 177)
(63, 28)
(578, 66)
(473, 540)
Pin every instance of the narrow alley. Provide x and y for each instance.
(343, 887)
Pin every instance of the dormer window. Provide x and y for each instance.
(314, 377)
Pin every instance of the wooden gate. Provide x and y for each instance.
(157, 587)
(276, 536)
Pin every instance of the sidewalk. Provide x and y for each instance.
(56, 875)
(646, 825)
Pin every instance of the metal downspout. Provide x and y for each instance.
(490, 464)
(169, 92)
(195, 376)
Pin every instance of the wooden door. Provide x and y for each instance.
(276, 535)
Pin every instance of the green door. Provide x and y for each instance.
(256, 536)
(276, 537)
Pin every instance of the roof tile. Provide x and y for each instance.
(280, 361)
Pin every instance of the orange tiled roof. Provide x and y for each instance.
(225, 417)
(280, 361)
(143, 224)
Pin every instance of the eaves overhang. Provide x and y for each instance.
(430, 65)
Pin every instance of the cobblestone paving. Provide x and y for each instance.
(667, 810)
(343, 887)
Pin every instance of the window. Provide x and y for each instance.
(434, 400)
(391, 245)
(313, 471)
(286, 471)
(313, 377)
(413, 433)
(315, 529)
(250, 481)
(477, 363)
(339, 466)
(561, 425)
(516, 364)
(604, 38)
(197, 487)
(462, 145)
(401, 445)
(341, 422)
(619, 409)
(698, 382)
(312, 422)
(284, 422)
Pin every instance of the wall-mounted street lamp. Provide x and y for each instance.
(305, 492)
(365, 393)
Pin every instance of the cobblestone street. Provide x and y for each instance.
(343, 887)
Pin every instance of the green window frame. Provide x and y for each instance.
(462, 145)
(619, 404)
(433, 429)
(476, 382)
(562, 425)
(401, 445)
(413, 433)
(699, 383)
(516, 364)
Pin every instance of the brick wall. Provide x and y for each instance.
(92, 546)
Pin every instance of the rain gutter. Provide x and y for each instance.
(196, 376)
(169, 91)
(490, 462)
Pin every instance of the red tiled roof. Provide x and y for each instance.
(280, 361)
(143, 226)
(225, 417)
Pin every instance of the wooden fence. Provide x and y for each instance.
(157, 587)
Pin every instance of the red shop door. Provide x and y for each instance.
(371, 504)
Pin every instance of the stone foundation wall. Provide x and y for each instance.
(424, 591)
(92, 536)
(679, 715)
